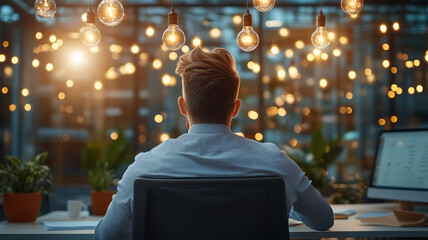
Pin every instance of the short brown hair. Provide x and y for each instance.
(210, 82)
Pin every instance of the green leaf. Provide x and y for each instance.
(318, 144)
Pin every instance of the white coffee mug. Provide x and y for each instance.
(74, 207)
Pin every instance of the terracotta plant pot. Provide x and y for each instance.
(100, 202)
(21, 207)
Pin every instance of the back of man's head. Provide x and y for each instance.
(210, 84)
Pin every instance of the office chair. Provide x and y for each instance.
(210, 209)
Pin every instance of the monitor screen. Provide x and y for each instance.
(400, 170)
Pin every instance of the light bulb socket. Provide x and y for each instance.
(320, 19)
(90, 16)
(248, 19)
(172, 17)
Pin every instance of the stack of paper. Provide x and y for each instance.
(70, 225)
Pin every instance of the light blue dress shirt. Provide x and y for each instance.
(212, 150)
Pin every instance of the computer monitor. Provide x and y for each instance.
(400, 168)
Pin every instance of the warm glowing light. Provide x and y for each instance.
(164, 137)
(173, 37)
(274, 49)
(342, 110)
(368, 71)
(320, 38)
(399, 91)
(394, 119)
(411, 90)
(98, 85)
(150, 31)
(281, 74)
(348, 110)
(14, 60)
(284, 32)
(49, 67)
(80, 119)
(337, 52)
(61, 95)
(394, 87)
(4, 90)
(173, 56)
(317, 52)
(299, 44)
(39, 35)
(196, 42)
(90, 36)
(166, 80)
(35, 63)
(352, 75)
(293, 72)
(52, 38)
(256, 68)
(282, 112)
(324, 56)
(323, 83)
(12, 107)
(289, 53)
(383, 28)
(385, 46)
(27, 107)
(351, 7)
(237, 19)
(157, 64)
(77, 57)
(419, 88)
(310, 57)
(381, 121)
(354, 16)
(331, 35)
(343, 40)
(94, 49)
(247, 39)
(114, 48)
(396, 26)
(114, 136)
(394, 70)
(391, 94)
(135, 49)
(385, 63)
(69, 83)
(25, 92)
(409, 64)
(416, 62)
(185, 49)
(2, 57)
(253, 115)
(215, 32)
(258, 136)
(8, 71)
(263, 5)
(158, 118)
(349, 95)
(55, 46)
(240, 134)
(426, 57)
(110, 12)
(84, 17)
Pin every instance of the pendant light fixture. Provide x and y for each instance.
(89, 34)
(110, 12)
(173, 37)
(264, 5)
(320, 37)
(247, 38)
(352, 7)
(45, 8)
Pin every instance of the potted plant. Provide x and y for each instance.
(316, 160)
(101, 160)
(22, 185)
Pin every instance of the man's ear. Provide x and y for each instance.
(182, 106)
(236, 107)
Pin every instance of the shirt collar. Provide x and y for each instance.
(209, 128)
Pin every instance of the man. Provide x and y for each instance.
(209, 149)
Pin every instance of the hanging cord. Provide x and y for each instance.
(321, 4)
(172, 4)
(247, 4)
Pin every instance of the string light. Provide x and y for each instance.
(110, 12)
(396, 26)
(39, 35)
(320, 38)
(45, 8)
(150, 31)
(247, 38)
(89, 34)
(283, 32)
(352, 7)
(173, 37)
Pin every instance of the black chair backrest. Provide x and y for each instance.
(210, 209)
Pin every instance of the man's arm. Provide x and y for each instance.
(310, 206)
(117, 223)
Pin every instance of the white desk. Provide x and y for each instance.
(342, 228)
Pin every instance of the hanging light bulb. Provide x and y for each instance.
(173, 37)
(352, 7)
(264, 5)
(89, 34)
(110, 12)
(247, 38)
(45, 8)
(320, 37)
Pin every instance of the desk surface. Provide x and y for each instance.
(342, 228)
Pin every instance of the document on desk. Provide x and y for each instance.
(70, 225)
(397, 218)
